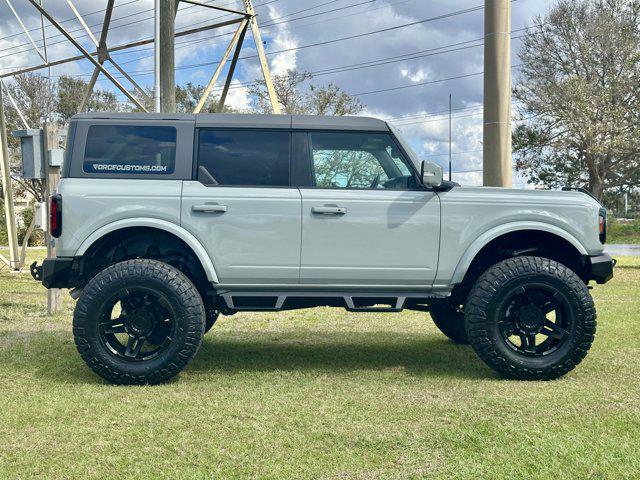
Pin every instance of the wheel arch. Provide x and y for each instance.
(539, 232)
(164, 226)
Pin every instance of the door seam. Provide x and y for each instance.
(301, 229)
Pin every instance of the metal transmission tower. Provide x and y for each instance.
(497, 169)
(164, 80)
(249, 20)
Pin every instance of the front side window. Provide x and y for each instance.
(244, 158)
(130, 149)
(359, 161)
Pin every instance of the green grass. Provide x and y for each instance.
(318, 394)
(625, 233)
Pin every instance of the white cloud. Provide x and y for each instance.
(418, 76)
(238, 97)
(283, 40)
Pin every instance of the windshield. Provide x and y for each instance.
(413, 156)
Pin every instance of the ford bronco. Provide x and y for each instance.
(164, 221)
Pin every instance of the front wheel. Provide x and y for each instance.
(138, 322)
(530, 318)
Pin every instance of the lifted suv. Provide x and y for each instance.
(164, 221)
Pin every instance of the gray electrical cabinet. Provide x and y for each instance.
(32, 150)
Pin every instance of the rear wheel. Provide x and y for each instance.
(449, 319)
(530, 318)
(138, 322)
(211, 315)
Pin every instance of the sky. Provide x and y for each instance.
(401, 58)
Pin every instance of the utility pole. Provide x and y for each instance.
(156, 56)
(497, 169)
(52, 177)
(166, 55)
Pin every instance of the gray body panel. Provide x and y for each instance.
(91, 204)
(385, 237)
(269, 238)
(256, 240)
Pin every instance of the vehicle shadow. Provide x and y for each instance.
(232, 352)
(424, 355)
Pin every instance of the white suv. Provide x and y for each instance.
(163, 221)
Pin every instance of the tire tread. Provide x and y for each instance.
(184, 292)
(488, 285)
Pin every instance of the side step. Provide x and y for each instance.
(356, 302)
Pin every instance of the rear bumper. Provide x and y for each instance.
(601, 268)
(56, 272)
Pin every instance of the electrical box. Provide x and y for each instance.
(41, 219)
(56, 155)
(32, 149)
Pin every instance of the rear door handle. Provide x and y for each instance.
(326, 210)
(209, 208)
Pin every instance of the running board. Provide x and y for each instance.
(355, 302)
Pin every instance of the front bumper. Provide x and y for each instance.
(56, 272)
(601, 268)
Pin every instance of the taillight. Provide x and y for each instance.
(55, 215)
(602, 225)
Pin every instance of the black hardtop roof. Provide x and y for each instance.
(250, 120)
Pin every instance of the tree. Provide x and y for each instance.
(71, 91)
(332, 100)
(579, 96)
(188, 96)
(295, 99)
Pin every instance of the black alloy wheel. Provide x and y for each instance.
(137, 324)
(536, 319)
(530, 318)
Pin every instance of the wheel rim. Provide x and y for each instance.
(535, 320)
(137, 324)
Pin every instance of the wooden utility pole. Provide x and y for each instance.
(52, 177)
(166, 55)
(7, 189)
(497, 169)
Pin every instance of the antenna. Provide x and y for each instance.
(449, 137)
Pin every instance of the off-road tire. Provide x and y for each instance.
(181, 294)
(449, 320)
(211, 317)
(481, 321)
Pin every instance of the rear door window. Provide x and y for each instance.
(130, 150)
(258, 158)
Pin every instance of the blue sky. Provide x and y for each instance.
(411, 63)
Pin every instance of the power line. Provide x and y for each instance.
(37, 29)
(341, 39)
(85, 35)
(265, 26)
(431, 114)
(373, 63)
(433, 51)
(335, 69)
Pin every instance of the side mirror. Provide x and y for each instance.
(431, 174)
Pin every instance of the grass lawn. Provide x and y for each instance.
(318, 393)
(625, 233)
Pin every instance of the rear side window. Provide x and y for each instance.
(244, 157)
(130, 149)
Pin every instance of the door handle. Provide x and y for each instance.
(326, 210)
(209, 208)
